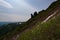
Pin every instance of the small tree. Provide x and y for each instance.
(32, 16)
(35, 13)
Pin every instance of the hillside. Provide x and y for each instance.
(44, 26)
(49, 30)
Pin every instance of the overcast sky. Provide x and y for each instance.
(20, 10)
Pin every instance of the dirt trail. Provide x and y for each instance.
(50, 16)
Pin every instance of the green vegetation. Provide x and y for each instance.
(8, 29)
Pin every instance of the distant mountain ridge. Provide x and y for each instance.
(5, 23)
(2, 23)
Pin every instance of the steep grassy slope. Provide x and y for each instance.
(46, 31)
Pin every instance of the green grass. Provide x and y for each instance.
(46, 31)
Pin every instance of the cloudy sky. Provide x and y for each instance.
(20, 10)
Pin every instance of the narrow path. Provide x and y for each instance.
(50, 17)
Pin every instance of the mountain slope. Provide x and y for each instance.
(49, 30)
